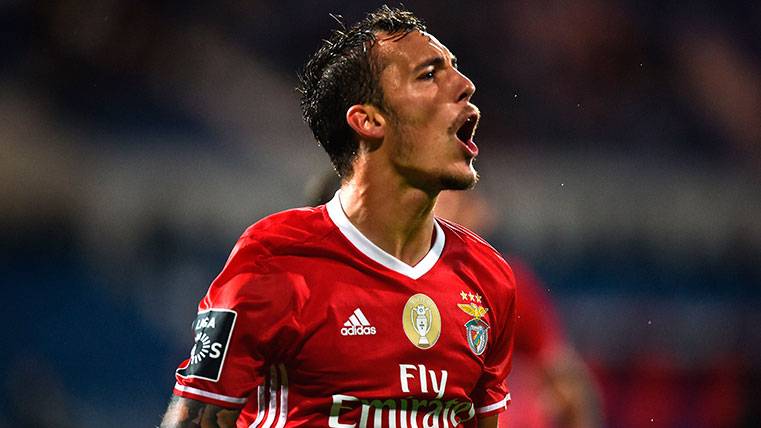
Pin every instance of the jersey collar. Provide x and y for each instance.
(368, 248)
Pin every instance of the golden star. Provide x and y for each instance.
(463, 295)
(472, 297)
(478, 298)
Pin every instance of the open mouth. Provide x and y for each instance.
(466, 131)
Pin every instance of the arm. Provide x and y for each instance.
(570, 396)
(570, 383)
(187, 413)
(488, 422)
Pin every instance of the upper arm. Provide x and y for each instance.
(246, 324)
(186, 412)
(488, 422)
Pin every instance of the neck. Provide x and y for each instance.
(395, 217)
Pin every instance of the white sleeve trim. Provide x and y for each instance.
(498, 405)
(202, 393)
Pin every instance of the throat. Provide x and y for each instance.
(408, 246)
(413, 251)
(402, 229)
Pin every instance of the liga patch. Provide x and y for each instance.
(213, 329)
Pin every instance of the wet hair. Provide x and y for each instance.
(344, 72)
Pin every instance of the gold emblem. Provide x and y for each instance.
(421, 321)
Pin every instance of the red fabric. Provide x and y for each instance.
(538, 332)
(294, 281)
(538, 337)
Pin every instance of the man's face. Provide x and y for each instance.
(430, 123)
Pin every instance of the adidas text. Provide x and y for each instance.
(357, 331)
(357, 325)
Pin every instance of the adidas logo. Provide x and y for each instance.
(357, 325)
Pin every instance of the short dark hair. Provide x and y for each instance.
(344, 72)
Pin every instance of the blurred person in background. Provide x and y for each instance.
(302, 327)
(553, 386)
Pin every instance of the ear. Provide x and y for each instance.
(367, 121)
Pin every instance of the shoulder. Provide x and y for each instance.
(467, 237)
(260, 256)
(297, 223)
(284, 231)
(277, 236)
(467, 245)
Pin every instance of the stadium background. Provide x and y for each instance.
(621, 148)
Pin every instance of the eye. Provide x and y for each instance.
(427, 75)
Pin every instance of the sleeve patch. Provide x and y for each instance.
(213, 329)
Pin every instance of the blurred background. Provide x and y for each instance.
(621, 158)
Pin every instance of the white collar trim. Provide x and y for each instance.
(368, 248)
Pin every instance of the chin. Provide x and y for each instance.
(459, 182)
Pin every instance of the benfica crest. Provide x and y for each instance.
(477, 330)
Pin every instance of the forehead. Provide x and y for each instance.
(410, 49)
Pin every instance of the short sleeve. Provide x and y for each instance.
(492, 395)
(246, 324)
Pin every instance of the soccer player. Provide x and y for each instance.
(365, 311)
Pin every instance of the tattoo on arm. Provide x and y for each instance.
(488, 422)
(187, 413)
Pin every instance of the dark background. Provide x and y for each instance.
(621, 152)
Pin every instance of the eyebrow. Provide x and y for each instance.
(436, 61)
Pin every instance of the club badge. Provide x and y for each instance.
(421, 321)
(476, 329)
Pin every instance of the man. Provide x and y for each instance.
(365, 311)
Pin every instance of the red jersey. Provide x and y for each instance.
(311, 324)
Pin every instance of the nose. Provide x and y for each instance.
(467, 88)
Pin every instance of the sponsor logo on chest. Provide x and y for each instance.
(415, 381)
